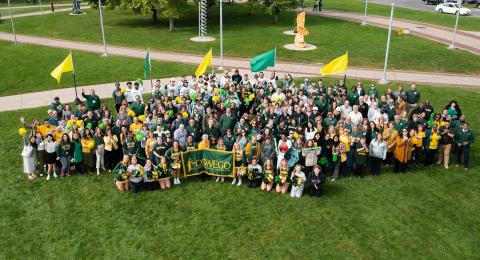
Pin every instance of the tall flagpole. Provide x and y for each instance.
(13, 25)
(383, 80)
(452, 46)
(150, 62)
(364, 22)
(77, 100)
(103, 31)
(221, 35)
(41, 6)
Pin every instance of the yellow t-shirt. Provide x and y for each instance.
(135, 126)
(345, 140)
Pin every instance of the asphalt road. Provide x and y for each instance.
(419, 5)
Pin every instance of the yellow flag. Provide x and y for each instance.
(337, 65)
(207, 61)
(65, 66)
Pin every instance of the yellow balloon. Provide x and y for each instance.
(295, 135)
(22, 131)
(122, 90)
(215, 99)
(252, 96)
(79, 123)
(141, 118)
(91, 144)
(216, 90)
(185, 115)
(131, 113)
(178, 100)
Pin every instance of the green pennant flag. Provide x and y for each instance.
(148, 64)
(263, 61)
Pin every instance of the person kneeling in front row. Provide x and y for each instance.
(298, 182)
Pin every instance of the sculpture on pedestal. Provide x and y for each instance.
(301, 31)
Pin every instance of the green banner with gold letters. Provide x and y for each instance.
(208, 161)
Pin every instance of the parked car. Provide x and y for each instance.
(434, 2)
(450, 8)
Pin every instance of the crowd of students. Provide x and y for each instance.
(284, 134)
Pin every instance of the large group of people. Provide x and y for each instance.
(283, 133)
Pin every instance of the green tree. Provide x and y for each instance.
(171, 9)
(275, 7)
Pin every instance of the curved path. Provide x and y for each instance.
(469, 41)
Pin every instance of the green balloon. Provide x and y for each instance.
(193, 96)
(247, 101)
(170, 113)
(222, 92)
(139, 135)
(139, 81)
(227, 104)
(89, 125)
(101, 126)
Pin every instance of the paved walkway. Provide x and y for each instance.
(44, 5)
(280, 67)
(45, 11)
(469, 41)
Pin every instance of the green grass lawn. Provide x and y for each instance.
(26, 68)
(468, 23)
(427, 213)
(249, 35)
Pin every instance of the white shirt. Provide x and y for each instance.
(356, 118)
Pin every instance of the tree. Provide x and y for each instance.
(172, 9)
(275, 7)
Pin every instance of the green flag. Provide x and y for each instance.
(263, 61)
(148, 64)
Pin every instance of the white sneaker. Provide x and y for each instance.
(223, 179)
(446, 166)
(239, 182)
(234, 181)
(175, 181)
(178, 181)
(333, 179)
(48, 177)
(218, 179)
(55, 175)
(98, 171)
(41, 174)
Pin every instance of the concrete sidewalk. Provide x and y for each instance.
(431, 78)
(469, 41)
(45, 11)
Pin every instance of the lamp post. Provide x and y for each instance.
(383, 80)
(452, 46)
(364, 22)
(11, 19)
(103, 31)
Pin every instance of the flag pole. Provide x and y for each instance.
(364, 22)
(221, 35)
(151, 79)
(77, 100)
(13, 25)
(383, 80)
(103, 31)
(452, 46)
(211, 63)
(274, 61)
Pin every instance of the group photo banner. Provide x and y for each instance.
(208, 161)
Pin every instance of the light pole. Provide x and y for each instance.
(364, 22)
(221, 35)
(103, 31)
(13, 25)
(452, 46)
(383, 80)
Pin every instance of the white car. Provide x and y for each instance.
(451, 8)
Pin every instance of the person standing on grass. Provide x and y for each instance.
(111, 146)
(77, 153)
(93, 101)
(447, 136)
(28, 154)
(317, 181)
(121, 174)
(64, 154)
(361, 157)
(254, 174)
(221, 147)
(239, 164)
(464, 138)
(402, 152)
(378, 152)
(412, 96)
(298, 179)
(150, 176)
(173, 157)
(118, 96)
(99, 150)
(135, 172)
(51, 157)
(87, 151)
(315, 5)
(433, 139)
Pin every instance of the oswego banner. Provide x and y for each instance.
(211, 162)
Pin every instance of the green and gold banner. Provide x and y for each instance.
(209, 161)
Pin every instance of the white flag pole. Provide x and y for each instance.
(221, 35)
(364, 22)
(13, 25)
(452, 46)
(383, 80)
(103, 30)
